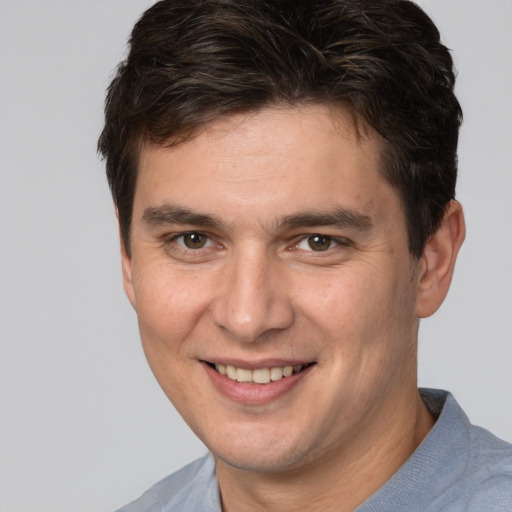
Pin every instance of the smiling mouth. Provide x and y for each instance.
(260, 375)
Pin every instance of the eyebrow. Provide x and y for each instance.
(168, 214)
(340, 217)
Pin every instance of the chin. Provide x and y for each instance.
(262, 456)
(256, 463)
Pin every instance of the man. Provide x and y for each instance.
(284, 176)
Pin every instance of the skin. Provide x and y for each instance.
(253, 189)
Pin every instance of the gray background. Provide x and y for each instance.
(83, 424)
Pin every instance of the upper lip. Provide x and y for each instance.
(255, 365)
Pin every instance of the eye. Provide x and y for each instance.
(317, 243)
(193, 240)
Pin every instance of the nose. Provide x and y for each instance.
(253, 299)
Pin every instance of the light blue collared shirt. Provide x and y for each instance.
(457, 468)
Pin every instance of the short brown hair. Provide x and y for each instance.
(190, 62)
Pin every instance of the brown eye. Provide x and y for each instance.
(194, 240)
(319, 242)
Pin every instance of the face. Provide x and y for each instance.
(274, 288)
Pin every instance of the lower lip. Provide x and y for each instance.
(254, 394)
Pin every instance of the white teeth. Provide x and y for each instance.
(231, 372)
(259, 376)
(276, 373)
(243, 375)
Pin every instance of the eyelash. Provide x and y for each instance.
(332, 241)
(174, 239)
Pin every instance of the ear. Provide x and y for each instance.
(127, 268)
(438, 261)
(126, 263)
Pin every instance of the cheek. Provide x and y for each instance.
(364, 314)
(348, 301)
(169, 305)
(169, 309)
(367, 326)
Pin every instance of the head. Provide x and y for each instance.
(190, 63)
(283, 174)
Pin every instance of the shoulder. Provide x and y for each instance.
(479, 466)
(490, 472)
(194, 485)
(457, 468)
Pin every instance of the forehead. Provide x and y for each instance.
(273, 161)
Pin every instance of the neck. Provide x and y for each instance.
(339, 480)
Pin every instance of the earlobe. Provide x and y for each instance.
(438, 261)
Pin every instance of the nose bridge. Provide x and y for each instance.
(252, 299)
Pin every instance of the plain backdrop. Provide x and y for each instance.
(83, 424)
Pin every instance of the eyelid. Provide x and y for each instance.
(336, 241)
(177, 236)
(174, 239)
